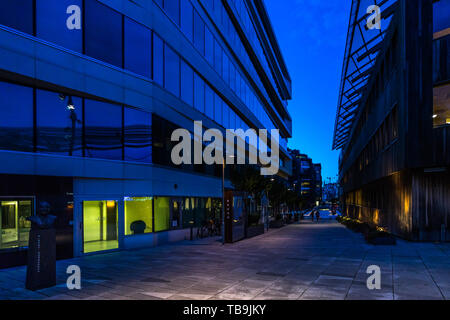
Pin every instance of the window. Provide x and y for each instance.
(199, 93)
(441, 15)
(16, 117)
(217, 109)
(103, 33)
(138, 215)
(441, 100)
(209, 102)
(187, 24)
(218, 57)
(225, 71)
(226, 116)
(171, 71)
(187, 82)
(103, 130)
(199, 33)
(138, 48)
(17, 14)
(59, 127)
(138, 135)
(14, 226)
(162, 214)
(51, 23)
(209, 46)
(172, 7)
(158, 60)
(441, 59)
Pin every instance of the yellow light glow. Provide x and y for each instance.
(110, 204)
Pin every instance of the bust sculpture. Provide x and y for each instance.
(44, 220)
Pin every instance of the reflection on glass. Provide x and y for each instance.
(100, 226)
(59, 127)
(14, 227)
(138, 135)
(441, 99)
(16, 117)
(138, 215)
(103, 123)
(17, 14)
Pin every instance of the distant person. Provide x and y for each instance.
(317, 215)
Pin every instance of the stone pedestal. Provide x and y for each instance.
(41, 270)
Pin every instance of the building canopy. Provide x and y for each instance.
(364, 41)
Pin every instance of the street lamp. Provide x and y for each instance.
(223, 198)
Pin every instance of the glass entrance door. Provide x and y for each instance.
(100, 226)
(14, 227)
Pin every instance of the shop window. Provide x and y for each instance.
(59, 121)
(138, 48)
(162, 214)
(138, 215)
(441, 105)
(103, 130)
(51, 23)
(103, 33)
(16, 117)
(14, 226)
(138, 135)
(17, 14)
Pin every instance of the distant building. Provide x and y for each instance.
(306, 178)
(330, 191)
(393, 118)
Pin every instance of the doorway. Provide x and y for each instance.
(100, 226)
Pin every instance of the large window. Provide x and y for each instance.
(172, 7)
(103, 130)
(209, 46)
(199, 93)
(441, 15)
(59, 123)
(187, 82)
(217, 109)
(16, 117)
(138, 215)
(138, 135)
(441, 105)
(14, 226)
(158, 60)
(138, 48)
(187, 25)
(103, 33)
(209, 102)
(52, 21)
(17, 14)
(171, 71)
(199, 33)
(162, 214)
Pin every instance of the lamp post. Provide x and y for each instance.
(223, 198)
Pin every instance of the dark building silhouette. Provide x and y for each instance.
(306, 178)
(393, 119)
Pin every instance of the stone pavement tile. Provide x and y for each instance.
(319, 292)
(62, 297)
(272, 294)
(190, 296)
(360, 291)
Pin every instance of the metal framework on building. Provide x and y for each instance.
(361, 50)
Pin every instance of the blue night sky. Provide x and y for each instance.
(312, 35)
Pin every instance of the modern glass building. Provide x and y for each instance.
(90, 93)
(393, 119)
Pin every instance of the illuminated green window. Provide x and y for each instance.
(138, 215)
(162, 214)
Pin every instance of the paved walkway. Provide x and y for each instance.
(303, 261)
